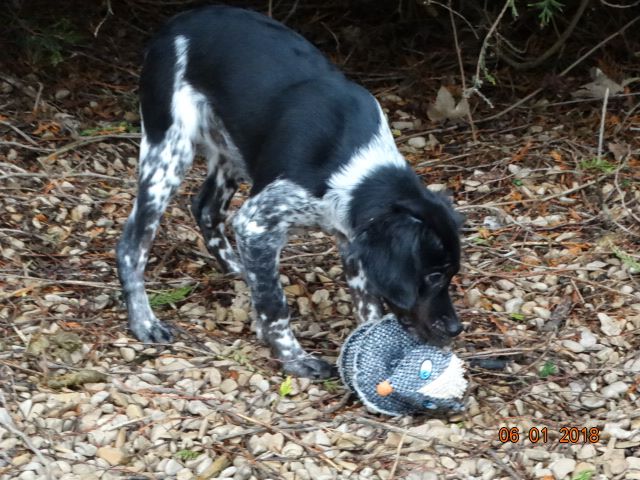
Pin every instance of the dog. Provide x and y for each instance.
(263, 105)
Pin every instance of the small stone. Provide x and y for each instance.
(513, 305)
(113, 456)
(292, 450)
(134, 411)
(586, 451)
(588, 339)
(562, 467)
(575, 347)
(609, 326)
(618, 465)
(542, 312)
(417, 142)
(402, 125)
(321, 295)
(615, 390)
(473, 297)
(591, 401)
(62, 94)
(228, 385)
(539, 286)
(448, 462)
(536, 454)
(172, 467)
(127, 354)
(505, 284)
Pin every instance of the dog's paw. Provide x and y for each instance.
(151, 331)
(310, 367)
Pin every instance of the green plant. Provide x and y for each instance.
(185, 455)
(286, 387)
(627, 259)
(547, 10)
(583, 475)
(167, 297)
(116, 127)
(598, 163)
(517, 316)
(549, 368)
(331, 385)
(47, 44)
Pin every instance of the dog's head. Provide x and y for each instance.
(409, 252)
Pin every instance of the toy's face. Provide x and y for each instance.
(428, 378)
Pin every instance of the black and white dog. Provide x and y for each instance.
(262, 104)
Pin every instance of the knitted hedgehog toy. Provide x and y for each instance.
(395, 373)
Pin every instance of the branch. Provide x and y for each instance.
(554, 48)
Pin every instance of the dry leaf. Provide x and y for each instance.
(599, 86)
(445, 107)
(75, 379)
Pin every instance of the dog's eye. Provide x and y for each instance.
(426, 369)
(434, 278)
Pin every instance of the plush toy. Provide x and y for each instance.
(395, 373)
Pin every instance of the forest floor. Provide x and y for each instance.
(549, 290)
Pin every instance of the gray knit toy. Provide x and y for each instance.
(395, 373)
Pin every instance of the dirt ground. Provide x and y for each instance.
(549, 291)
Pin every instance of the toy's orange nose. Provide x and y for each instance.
(384, 388)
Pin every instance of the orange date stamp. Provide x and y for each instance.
(571, 435)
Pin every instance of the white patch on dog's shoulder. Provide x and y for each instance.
(380, 151)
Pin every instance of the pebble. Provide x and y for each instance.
(127, 354)
(587, 339)
(562, 467)
(513, 305)
(609, 326)
(228, 385)
(615, 390)
(575, 347)
(586, 451)
(172, 467)
(417, 142)
(113, 456)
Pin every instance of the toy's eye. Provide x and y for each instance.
(425, 369)
(429, 405)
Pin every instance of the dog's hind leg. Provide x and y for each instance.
(161, 170)
(210, 208)
(261, 227)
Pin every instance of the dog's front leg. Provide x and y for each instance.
(368, 306)
(261, 227)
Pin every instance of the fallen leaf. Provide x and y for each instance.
(445, 107)
(74, 379)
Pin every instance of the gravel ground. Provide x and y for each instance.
(549, 291)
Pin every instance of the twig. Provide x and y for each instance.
(87, 140)
(562, 74)
(602, 120)
(26, 147)
(109, 12)
(7, 422)
(477, 81)
(555, 47)
(501, 464)
(19, 132)
(474, 132)
(392, 472)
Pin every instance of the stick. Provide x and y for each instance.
(602, 119)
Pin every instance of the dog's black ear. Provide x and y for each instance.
(387, 251)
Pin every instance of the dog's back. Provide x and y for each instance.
(289, 111)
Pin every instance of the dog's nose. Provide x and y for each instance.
(453, 327)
